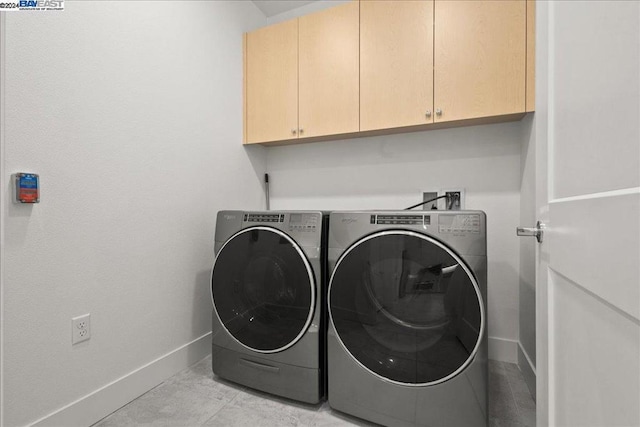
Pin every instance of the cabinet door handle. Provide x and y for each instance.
(428, 114)
(439, 112)
(301, 131)
(293, 131)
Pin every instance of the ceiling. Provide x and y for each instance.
(274, 7)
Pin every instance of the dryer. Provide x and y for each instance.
(407, 338)
(268, 297)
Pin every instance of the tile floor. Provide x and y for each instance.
(194, 397)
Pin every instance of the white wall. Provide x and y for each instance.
(391, 172)
(296, 11)
(131, 112)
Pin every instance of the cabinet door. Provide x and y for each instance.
(272, 83)
(479, 62)
(328, 65)
(396, 63)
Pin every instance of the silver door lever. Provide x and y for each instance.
(537, 232)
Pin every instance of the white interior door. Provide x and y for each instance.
(588, 195)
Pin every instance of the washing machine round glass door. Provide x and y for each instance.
(406, 307)
(263, 289)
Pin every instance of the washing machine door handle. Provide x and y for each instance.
(439, 270)
(448, 271)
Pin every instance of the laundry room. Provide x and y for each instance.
(133, 118)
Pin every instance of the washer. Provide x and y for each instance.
(407, 339)
(268, 297)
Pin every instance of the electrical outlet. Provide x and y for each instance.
(80, 328)
(428, 195)
(454, 200)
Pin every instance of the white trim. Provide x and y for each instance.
(613, 193)
(526, 356)
(545, 409)
(3, 201)
(98, 404)
(528, 370)
(551, 107)
(551, 323)
(504, 350)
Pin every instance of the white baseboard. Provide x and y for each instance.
(503, 350)
(527, 369)
(105, 400)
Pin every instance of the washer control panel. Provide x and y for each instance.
(263, 217)
(459, 224)
(292, 222)
(303, 222)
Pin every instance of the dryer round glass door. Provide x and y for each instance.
(406, 307)
(263, 289)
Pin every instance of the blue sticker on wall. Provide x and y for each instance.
(27, 188)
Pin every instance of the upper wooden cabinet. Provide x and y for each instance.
(301, 77)
(271, 83)
(329, 68)
(379, 66)
(396, 63)
(479, 58)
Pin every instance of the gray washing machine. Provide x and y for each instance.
(407, 338)
(268, 297)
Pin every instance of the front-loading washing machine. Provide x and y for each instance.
(268, 294)
(407, 338)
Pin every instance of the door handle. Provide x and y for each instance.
(536, 232)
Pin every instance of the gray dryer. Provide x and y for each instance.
(407, 339)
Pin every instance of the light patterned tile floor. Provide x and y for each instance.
(195, 397)
(510, 402)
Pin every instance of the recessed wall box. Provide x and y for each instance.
(27, 187)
